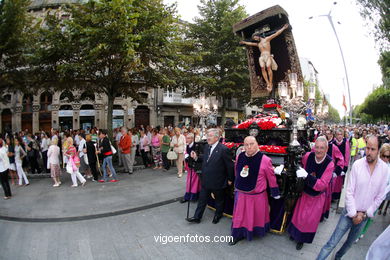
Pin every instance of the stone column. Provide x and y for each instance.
(98, 115)
(55, 119)
(76, 116)
(35, 119)
(17, 119)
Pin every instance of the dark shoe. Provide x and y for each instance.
(299, 246)
(291, 238)
(216, 219)
(193, 220)
(235, 241)
(183, 201)
(130, 172)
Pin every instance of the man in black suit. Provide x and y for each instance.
(217, 174)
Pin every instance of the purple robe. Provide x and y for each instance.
(251, 208)
(338, 182)
(308, 210)
(338, 161)
(193, 180)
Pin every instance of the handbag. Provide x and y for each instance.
(113, 150)
(171, 155)
(69, 168)
(86, 159)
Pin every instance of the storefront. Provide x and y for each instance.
(118, 118)
(65, 118)
(87, 117)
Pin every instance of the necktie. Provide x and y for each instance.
(209, 153)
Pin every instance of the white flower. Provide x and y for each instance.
(301, 122)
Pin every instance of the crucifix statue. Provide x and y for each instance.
(266, 60)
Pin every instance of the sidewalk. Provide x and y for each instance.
(131, 235)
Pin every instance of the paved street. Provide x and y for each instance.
(120, 220)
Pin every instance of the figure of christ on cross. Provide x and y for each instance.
(266, 60)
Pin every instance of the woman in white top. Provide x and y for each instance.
(4, 165)
(134, 144)
(11, 156)
(53, 161)
(179, 143)
(20, 153)
(144, 148)
(45, 142)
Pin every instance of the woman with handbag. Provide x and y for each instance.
(178, 143)
(11, 155)
(145, 148)
(134, 144)
(73, 164)
(4, 165)
(107, 150)
(53, 162)
(165, 145)
(19, 155)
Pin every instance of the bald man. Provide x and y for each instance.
(317, 171)
(253, 170)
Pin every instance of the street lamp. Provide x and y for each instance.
(291, 96)
(203, 109)
(342, 56)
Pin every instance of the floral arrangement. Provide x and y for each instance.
(263, 148)
(272, 106)
(264, 123)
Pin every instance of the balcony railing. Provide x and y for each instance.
(176, 98)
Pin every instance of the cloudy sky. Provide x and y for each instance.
(316, 41)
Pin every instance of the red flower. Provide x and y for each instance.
(271, 106)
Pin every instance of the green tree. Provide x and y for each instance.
(14, 34)
(378, 12)
(115, 47)
(377, 104)
(333, 115)
(222, 70)
(384, 63)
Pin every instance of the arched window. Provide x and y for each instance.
(66, 96)
(7, 98)
(45, 101)
(27, 103)
(87, 96)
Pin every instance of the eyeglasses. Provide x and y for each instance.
(386, 156)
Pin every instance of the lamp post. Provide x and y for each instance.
(292, 101)
(330, 19)
(203, 109)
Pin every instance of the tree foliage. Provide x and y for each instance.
(222, 70)
(378, 11)
(115, 47)
(377, 104)
(14, 36)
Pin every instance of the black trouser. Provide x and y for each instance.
(34, 163)
(204, 197)
(145, 158)
(166, 162)
(44, 157)
(92, 166)
(5, 183)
